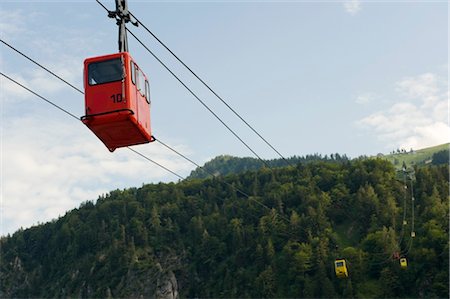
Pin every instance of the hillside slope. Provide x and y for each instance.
(225, 165)
(419, 157)
(256, 234)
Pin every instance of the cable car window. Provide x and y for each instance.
(105, 71)
(138, 74)
(141, 82)
(133, 72)
(147, 91)
(339, 264)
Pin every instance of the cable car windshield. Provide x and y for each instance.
(105, 71)
(339, 264)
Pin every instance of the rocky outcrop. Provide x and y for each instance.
(16, 283)
(167, 286)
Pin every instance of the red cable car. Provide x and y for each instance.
(117, 93)
(117, 100)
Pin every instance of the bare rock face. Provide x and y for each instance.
(155, 282)
(17, 283)
(167, 286)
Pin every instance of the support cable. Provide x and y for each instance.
(212, 174)
(133, 150)
(204, 105)
(198, 99)
(163, 167)
(405, 195)
(209, 88)
(191, 92)
(73, 116)
(40, 65)
(80, 91)
(413, 233)
(205, 84)
(138, 153)
(64, 110)
(39, 96)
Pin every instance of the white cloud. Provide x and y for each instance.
(50, 166)
(419, 120)
(352, 6)
(365, 98)
(425, 88)
(428, 135)
(420, 86)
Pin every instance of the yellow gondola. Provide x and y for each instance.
(340, 268)
(403, 263)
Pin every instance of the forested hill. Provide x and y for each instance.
(269, 233)
(224, 165)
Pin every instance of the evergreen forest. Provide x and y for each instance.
(255, 233)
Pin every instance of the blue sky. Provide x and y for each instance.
(353, 77)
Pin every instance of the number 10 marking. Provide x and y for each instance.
(117, 98)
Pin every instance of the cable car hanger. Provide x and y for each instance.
(122, 16)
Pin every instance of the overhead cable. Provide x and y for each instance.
(147, 158)
(41, 66)
(137, 152)
(39, 96)
(199, 100)
(73, 116)
(209, 88)
(191, 92)
(133, 150)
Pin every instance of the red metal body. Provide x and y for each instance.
(117, 101)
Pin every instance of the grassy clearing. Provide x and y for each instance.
(418, 157)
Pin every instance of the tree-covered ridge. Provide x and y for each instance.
(225, 164)
(205, 238)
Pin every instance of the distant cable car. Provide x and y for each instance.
(403, 263)
(117, 100)
(340, 268)
(117, 93)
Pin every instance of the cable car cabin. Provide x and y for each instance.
(117, 100)
(340, 268)
(403, 263)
